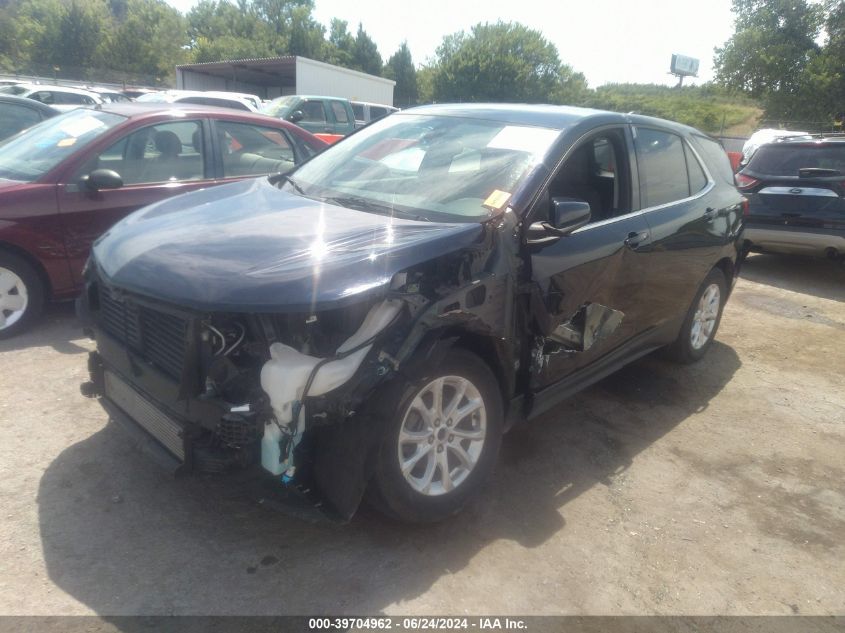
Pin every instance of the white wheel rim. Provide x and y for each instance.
(13, 298)
(442, 435)
(704, 319)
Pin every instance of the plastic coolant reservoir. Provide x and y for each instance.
(283, 379)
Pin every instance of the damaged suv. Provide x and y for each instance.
(372, 322)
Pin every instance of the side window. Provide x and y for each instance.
(16, 118)
(358, 110)
(253, 150)
(697, 177)
(168, 152)
(339, 112)
(377, 113)
(78, 99)
(716, 158)
(314, 112)
(596, 172)
(662, 167)
(44, 96)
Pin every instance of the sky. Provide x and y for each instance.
(607, 40)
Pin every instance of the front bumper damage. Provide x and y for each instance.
(306, 428)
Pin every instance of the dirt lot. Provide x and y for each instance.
(711, 489)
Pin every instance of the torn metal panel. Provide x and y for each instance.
(592, 323)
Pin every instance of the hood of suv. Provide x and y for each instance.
(248, 246)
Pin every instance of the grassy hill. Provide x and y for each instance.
(707, 107)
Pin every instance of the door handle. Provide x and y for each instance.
(636, 239)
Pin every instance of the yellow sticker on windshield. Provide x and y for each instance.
(66, 142)
(497, 200)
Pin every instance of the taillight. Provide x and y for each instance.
(745, 207)
(745, 182)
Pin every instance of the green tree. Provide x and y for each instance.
(149, 39)
(496, 62)
(770, 52)
(341, 45)
(79, 34)
(400, 68)
(365, 55)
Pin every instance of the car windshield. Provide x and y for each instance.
(278, 107)
(30, 155)
(14, 90)
(787, 159)
(427, 167)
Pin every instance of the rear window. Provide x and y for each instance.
(715, 157)
(786, 159)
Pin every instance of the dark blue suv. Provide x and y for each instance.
(371, 323)
(795, 190)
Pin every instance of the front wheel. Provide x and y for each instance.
(21, 295)
(443, 436)
(702, 320)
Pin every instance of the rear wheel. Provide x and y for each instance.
(702, 320)
(442, 441)
(21, 295)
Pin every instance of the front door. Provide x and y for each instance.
(589, 285)
(154, 163)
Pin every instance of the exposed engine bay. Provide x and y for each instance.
(293, 393)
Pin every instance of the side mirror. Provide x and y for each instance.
(565, 215)
(296, 116)
(102, 179)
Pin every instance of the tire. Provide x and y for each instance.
(478, 435)
(693, 342)
(21, 295)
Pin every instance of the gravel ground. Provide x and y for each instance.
(710, 489)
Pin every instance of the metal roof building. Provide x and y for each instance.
(278, 76)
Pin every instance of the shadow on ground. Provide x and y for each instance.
(124, 539)
(57, 328)
(823, 278)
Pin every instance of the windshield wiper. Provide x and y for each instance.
(362, 204)
(276, 178)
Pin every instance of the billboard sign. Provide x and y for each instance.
(684, 66)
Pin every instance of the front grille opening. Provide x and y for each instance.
(158, 337)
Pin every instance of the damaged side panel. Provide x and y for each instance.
(592, 323)
(324, 420)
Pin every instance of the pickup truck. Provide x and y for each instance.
(328, 118)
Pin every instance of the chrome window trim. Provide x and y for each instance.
(703, 192)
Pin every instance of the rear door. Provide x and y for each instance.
(155, 162)
(590, 284)
(688, 220)
(315, 117)
(343, 122)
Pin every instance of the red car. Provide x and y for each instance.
(66, 181)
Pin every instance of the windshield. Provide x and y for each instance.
(430, 167)
(30, 155)
(786, 159)
(279, 107)
(14, 90)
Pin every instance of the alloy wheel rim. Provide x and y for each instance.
(442, 435)
(13, 298)
(704, 319)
